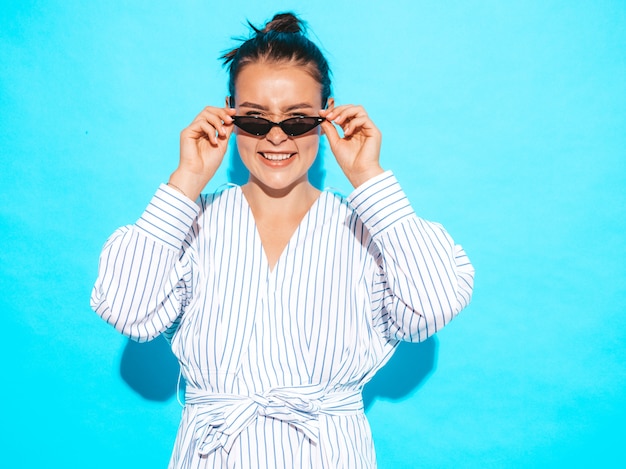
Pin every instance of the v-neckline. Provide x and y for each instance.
(257, 235)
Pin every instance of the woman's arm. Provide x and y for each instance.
(144, 277)
(424, 279)
(145, 271)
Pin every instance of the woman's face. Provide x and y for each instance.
(277, 92)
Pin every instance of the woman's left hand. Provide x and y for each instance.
(358, 151)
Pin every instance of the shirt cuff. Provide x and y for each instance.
(380, 203)
(168, 217)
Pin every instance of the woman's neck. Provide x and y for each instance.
(288, 203)
(278, 215)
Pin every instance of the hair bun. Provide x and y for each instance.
(284, 23)
(283, 40)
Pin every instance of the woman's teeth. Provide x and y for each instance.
(276, 156)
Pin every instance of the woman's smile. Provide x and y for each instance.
(276, 157)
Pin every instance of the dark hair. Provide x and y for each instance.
(282, 40)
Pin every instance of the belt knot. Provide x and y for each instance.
(220, 418)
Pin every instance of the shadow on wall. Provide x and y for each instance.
(151, 370)
(408, 369)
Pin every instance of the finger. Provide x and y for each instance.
(216, 115)
(210, 132)
(331, 133)
(220, 137)
(339, 108)
(223, 127)
(197, 130)
(216, 120)
(228, 130)
(346, 115)
(358, 124)
(225, 114)
(350, 108)
(219, 111)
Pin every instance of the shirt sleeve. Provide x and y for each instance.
(144, 274)
(424, 279)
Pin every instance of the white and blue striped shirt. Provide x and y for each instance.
(275, 359)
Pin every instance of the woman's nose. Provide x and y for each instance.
(276, 135)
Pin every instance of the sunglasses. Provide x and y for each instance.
(293, 126)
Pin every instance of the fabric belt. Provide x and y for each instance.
(220, 418)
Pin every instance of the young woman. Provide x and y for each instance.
(280, 301)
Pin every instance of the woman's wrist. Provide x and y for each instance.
(177, 188)
(357, 179)
(187, 184)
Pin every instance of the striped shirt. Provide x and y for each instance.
(274, 360)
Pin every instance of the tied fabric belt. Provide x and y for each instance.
(220, 418)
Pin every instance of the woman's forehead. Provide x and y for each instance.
(266, 85)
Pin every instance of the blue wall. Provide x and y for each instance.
(505, 121)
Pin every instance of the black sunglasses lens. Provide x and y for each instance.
(299, 125)
(253, 125)
(293, 127)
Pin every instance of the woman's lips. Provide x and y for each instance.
(276, 157)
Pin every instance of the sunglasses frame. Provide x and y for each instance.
(262, 120)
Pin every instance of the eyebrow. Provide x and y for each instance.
(293, 107)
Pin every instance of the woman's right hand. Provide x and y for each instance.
(202, 147)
